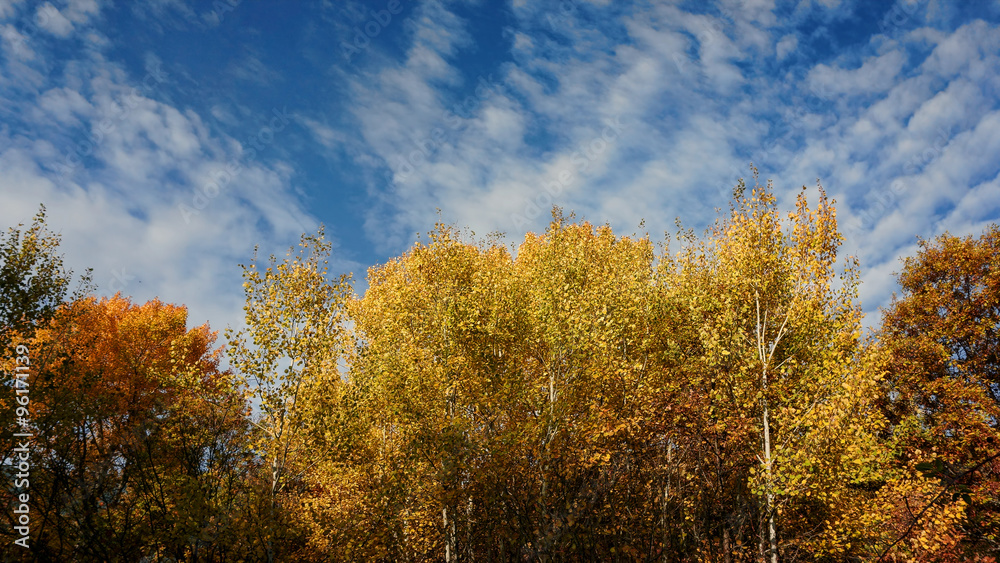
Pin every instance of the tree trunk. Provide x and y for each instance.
(771, 528)
(766, 353)
(450, 554)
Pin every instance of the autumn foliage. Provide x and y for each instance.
(943, 394)
(580, 397)
(139, 435)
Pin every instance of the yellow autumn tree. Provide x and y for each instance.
(788, 395)
(286, 355)
(583, 397)
(507, 402)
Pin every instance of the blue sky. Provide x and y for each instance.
(168, 137)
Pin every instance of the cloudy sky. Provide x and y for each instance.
(168, 137)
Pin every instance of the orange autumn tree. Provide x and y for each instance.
(139, 436)
(942, 352)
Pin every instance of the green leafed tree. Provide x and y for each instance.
(33, 279)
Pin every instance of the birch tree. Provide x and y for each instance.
(288, 350)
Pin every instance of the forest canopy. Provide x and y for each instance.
(584, 396)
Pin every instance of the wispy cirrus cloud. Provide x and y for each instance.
(883, 122)
(164, 162)
(113, 158)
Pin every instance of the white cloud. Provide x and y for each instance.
(977, 208)
(875, 76)
(965, 49)
(65, 105)
(52, 20)
(81, 11)
(113, 163)
(786, 46)
(16, 43)
(8, 8)
(697, 107)
(251, 69)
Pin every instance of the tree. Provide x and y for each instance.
(138, 436)
(501, 421)
(773, 336)
(294, 315)
(581, 400)
(33, 280)
(943, 393)
(579, 397)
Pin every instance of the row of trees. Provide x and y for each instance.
(588, 397)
